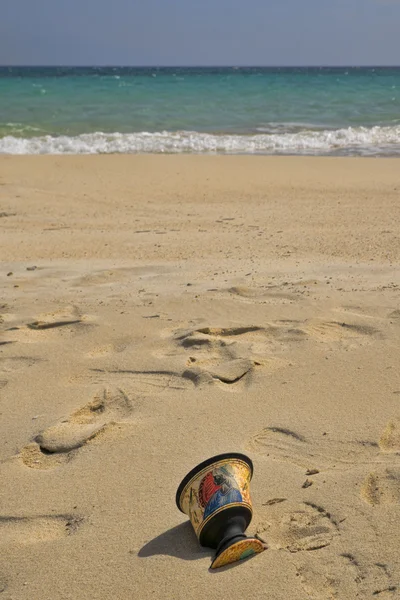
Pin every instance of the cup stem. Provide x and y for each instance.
(233, 532)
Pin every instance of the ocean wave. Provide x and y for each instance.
(290, 127)
(20, 127)
(353, 141)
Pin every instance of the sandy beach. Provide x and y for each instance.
(159, 310)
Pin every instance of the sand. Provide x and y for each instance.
(158, 310)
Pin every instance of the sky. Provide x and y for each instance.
(205, 32)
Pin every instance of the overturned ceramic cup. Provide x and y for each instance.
(216, 497)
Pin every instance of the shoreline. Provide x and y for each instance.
(362, 141)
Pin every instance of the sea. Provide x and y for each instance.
(103, 110)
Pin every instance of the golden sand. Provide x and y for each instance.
(158, 310)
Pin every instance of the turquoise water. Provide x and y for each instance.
(202, 110)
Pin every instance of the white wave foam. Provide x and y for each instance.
(21, 128)
(289, 127)
(361, 140)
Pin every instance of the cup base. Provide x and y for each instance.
(238, 551)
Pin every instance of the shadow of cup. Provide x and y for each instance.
(180, 542)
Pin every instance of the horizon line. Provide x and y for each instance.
(232, 66)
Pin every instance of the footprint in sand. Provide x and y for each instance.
(284, 330)
(3, 583)
(382, 487)
(102, 277)
(340, 331)
(345, 576)
(318, 581)
(30, 530)
(209, 338)
(107, 277)
(59, 443)
(329, 578)
(232, 356)
(395, 315)
(270, 294)
(324, 451)
(138, 381)
(224, 355)
(260, 343)
(217, 369)
(215, 356)
(381, 581)
(313, 452)
(297, 527)
(390, 438)
(63, 322)
(68, 318)
(370, 579)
